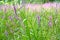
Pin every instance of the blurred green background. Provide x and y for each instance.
(27, 1)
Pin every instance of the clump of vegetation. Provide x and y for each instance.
(22, 24)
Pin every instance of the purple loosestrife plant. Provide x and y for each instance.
(38, 18)
(16, 16)
(50, 21)
(14, 9)
(11, 18)
(6, 33)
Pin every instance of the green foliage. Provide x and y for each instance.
(1, 2)
(28, 25)
(25, 25)
(28, 1)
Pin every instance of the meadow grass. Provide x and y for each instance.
(27, 25)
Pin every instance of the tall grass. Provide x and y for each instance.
(21, 24)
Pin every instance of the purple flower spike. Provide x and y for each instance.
(10, 18)
(50, 23)
(14, 9)
(6, 33)
(38, 18)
